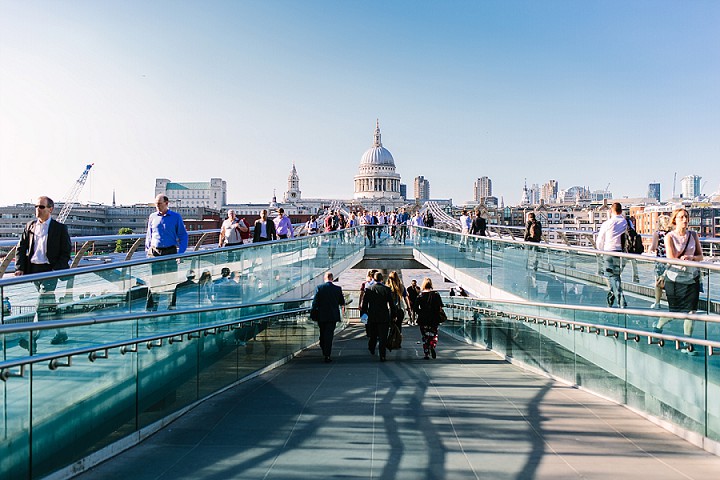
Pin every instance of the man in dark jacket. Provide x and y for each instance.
(328, 297)
(533, 233)
(379, 306)
(44, 246)
(478, 225)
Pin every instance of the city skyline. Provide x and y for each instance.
(585, 93)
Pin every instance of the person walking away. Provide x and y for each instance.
(412, 293)
(682, 283)
(378, 305)
(428, 307)
(283, 225)
(326, 312)
(609, 239)
(369, 280)
(658, 247)
(400, 298)
(264, 230)
(44, 246)
(166, 235)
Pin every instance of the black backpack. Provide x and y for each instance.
(631, 241)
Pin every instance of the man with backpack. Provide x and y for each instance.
(610, 239)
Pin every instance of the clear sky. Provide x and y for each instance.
(589, 93)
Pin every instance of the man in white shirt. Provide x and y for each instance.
(44, 246)
(609, 239)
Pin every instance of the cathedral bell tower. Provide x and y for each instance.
(293, 192)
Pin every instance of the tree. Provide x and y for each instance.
(123, 245)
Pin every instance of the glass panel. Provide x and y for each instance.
(15, 424)
(167, 376)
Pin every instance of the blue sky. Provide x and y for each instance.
(585, 92)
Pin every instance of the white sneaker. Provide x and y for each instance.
(655, 306)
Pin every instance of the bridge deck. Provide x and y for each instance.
(467, 414)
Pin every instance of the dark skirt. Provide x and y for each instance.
(682, 297)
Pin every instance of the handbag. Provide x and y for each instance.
(442, 316)
(394, 340)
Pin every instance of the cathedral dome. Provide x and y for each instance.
(377, 154)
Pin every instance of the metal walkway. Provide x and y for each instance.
(466, 415)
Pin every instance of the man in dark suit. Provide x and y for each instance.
(379, 306)
(44, 246)
(328, 297)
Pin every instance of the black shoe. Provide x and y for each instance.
(382, 358)
(24, 344)
(426, 357)
(372, 351)
(328, 359)
(59, 338)
(432, 353)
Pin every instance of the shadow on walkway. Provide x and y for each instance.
(467, 414)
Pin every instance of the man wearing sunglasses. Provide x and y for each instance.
(44, 246)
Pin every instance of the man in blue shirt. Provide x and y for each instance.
(166, 235)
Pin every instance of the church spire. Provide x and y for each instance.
(377, 142)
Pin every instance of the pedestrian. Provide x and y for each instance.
(462, 292)
(465, 223)
(264, 230)
(311, 227)
(283, 225)
(682, 283)
(412, 293)
(230, 229)
(658, 247)
(478, 225)
(532, 234)
(402, 302)
(166, 235)
(609, 239)
(428, 308)
(379, 307)
(325, 311)
(44, 246)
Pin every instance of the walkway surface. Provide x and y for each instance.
(466, 415)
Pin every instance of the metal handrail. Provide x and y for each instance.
(56, 324)
(150, 340)
(8, 281)
(590, 251)
(628, 333)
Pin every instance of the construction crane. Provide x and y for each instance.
(73, 194)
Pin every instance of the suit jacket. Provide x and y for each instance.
(271, 235)
(378, 303)
(58, 246)
(326, 302)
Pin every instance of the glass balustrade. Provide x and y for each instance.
(116, 314)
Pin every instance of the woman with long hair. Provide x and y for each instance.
(682, 283)
(400, 295)
(428, 306)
